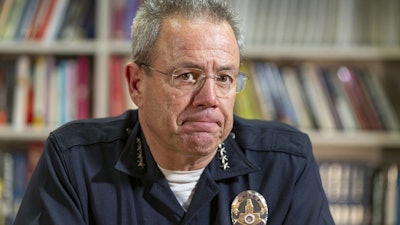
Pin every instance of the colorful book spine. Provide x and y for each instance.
(322, 97)
(44, 91)
(118, 88)
(360, 101)
(46, 20)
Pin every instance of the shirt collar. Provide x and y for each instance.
(137, 161)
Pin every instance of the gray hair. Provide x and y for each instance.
(147, 23)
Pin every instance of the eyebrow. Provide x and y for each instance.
(194, 65)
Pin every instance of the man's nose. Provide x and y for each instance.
(207, 94)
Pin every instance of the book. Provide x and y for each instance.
(390, 23)
(300, 28)
(280, 95)
(70, 94)
(116, 89)
(131, 6)
(391, 192)
(391, 83)
(3, 95)
(27, 16)
(329, 29)
(251, 69)
(37, 19)
(371, 110)
(83, 88)
(117, 15)
(345, 22)
(78, 21)
(20, 182)
(269, 25)
(291, 80)
(30, 98)
(52, 108)
(61, 81)
(385, 195)
(21, 92)
(8, 186)
(48, 15)
(5, 12)
(359, 99)
(261, 18)
(247, 103)
(262, 87)
(287, 36)
(384, 108)
(14, 17)
(281, 19)
(318, 101)
(331, 96)
(88, 22)
(49, 68)
(40, 92)
(348, 189)
(310, 34)
(8, 66)
(319, 20)
(56, 17)
(33, 154)
(341, 101)
(378, 196)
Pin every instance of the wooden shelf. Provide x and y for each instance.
(58, 48)
(365, 139)
(323, 52)
(298, 52)
(29, 134)
(123, 47)
(319, 138)
(120, 47)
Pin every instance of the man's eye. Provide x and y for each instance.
(225, 79)
(186, 76)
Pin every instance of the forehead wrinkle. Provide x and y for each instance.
(206, 54)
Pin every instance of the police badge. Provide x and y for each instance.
(249, 208)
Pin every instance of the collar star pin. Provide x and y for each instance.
(249, 208)
(223, 157)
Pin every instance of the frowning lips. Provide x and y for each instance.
(199, 122)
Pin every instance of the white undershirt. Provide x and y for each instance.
(182, 184)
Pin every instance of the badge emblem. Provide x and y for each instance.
(249, 208)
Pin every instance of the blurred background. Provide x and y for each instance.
(331, 68)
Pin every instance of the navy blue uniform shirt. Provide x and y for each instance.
(90, 173)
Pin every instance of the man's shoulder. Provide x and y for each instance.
(272, 136)
(97, 130)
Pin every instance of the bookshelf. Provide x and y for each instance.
(372, 147)
(359, 167)
(103, 46)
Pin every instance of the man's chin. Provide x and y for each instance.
(202, 142)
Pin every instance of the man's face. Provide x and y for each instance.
(187, 125)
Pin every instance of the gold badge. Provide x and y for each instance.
(249, 208)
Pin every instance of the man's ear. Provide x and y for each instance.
(133, 76)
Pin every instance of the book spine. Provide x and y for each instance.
(21, 92)
(117, 91)
(83, 83)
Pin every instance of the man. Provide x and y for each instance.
(182, 157)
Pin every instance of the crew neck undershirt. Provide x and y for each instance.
(182, 184)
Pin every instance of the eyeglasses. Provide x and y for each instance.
(194, 78)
